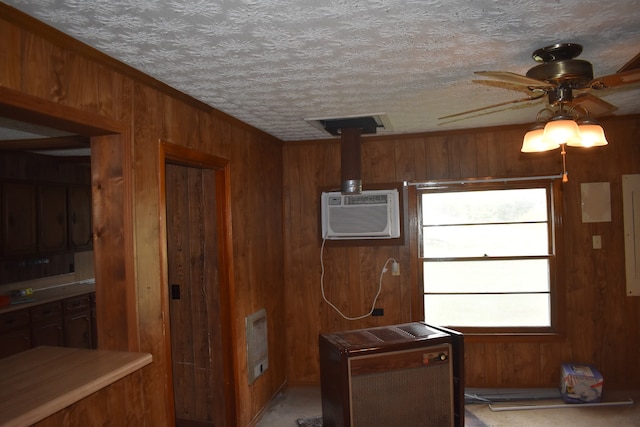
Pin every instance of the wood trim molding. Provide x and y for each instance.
(116, 332)
(31, 109)
(59, 142)
(176, 154)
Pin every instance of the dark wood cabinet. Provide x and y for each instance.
(65, 323)
(15, 332)
(19, 226)
(46, 325)
(80, 232)
(46, 206)
(77, 322)
(45, 218)
(52, 218)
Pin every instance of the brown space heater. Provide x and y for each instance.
(408, 375)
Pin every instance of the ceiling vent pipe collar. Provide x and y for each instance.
(350, 161)
(350, 129)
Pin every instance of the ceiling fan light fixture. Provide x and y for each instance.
(591, 135)
(535, 142)
(562, 129)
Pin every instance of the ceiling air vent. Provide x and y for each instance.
(368, 123)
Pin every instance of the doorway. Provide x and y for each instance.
(197, 282)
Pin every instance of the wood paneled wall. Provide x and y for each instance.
(271, 248)
(41, 63)
(602, 324)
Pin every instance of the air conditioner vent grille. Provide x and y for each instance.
(373, 214)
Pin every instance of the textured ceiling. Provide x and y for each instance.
(273, 63)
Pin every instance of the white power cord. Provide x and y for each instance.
(375, 299)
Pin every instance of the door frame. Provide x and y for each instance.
(179, 155)
(111, 175)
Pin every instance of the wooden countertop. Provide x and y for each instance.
(54, 293)
(41, 381)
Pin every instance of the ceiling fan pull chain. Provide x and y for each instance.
(565, 174)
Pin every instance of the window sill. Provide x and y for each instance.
(511, 337)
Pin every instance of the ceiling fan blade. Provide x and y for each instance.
(595, 106)
(617, 79)
(505, 85)
(634, 64)
(629, 73)
(516, 79)
(514, 101)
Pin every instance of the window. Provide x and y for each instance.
(488, 256)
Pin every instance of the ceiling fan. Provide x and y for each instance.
(565, 80)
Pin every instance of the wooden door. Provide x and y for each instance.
(196, 342)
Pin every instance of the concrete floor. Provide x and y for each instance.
(303, 402)
(295, 402)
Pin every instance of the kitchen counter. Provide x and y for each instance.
(50, 294)
(39, 382)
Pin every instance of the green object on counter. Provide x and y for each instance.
(22, 292)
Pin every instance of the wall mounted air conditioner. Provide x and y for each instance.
(373, 214)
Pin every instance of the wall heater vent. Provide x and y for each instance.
(257, 345)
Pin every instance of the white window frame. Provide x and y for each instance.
(553, 188)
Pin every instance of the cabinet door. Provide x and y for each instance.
(19, 219)
(52, 218)
(77, 330)
(46, 325)
(15, 335)
(77, 322)
(80, 233)
(15, 341)
(48, 333)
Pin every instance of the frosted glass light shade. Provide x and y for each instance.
(535, 142)
(591, 135)
(562, 132)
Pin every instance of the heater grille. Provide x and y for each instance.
(409, 396)
(420, 397)
(257, 345)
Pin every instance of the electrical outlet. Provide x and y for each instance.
(395, 268)
(597, 241)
